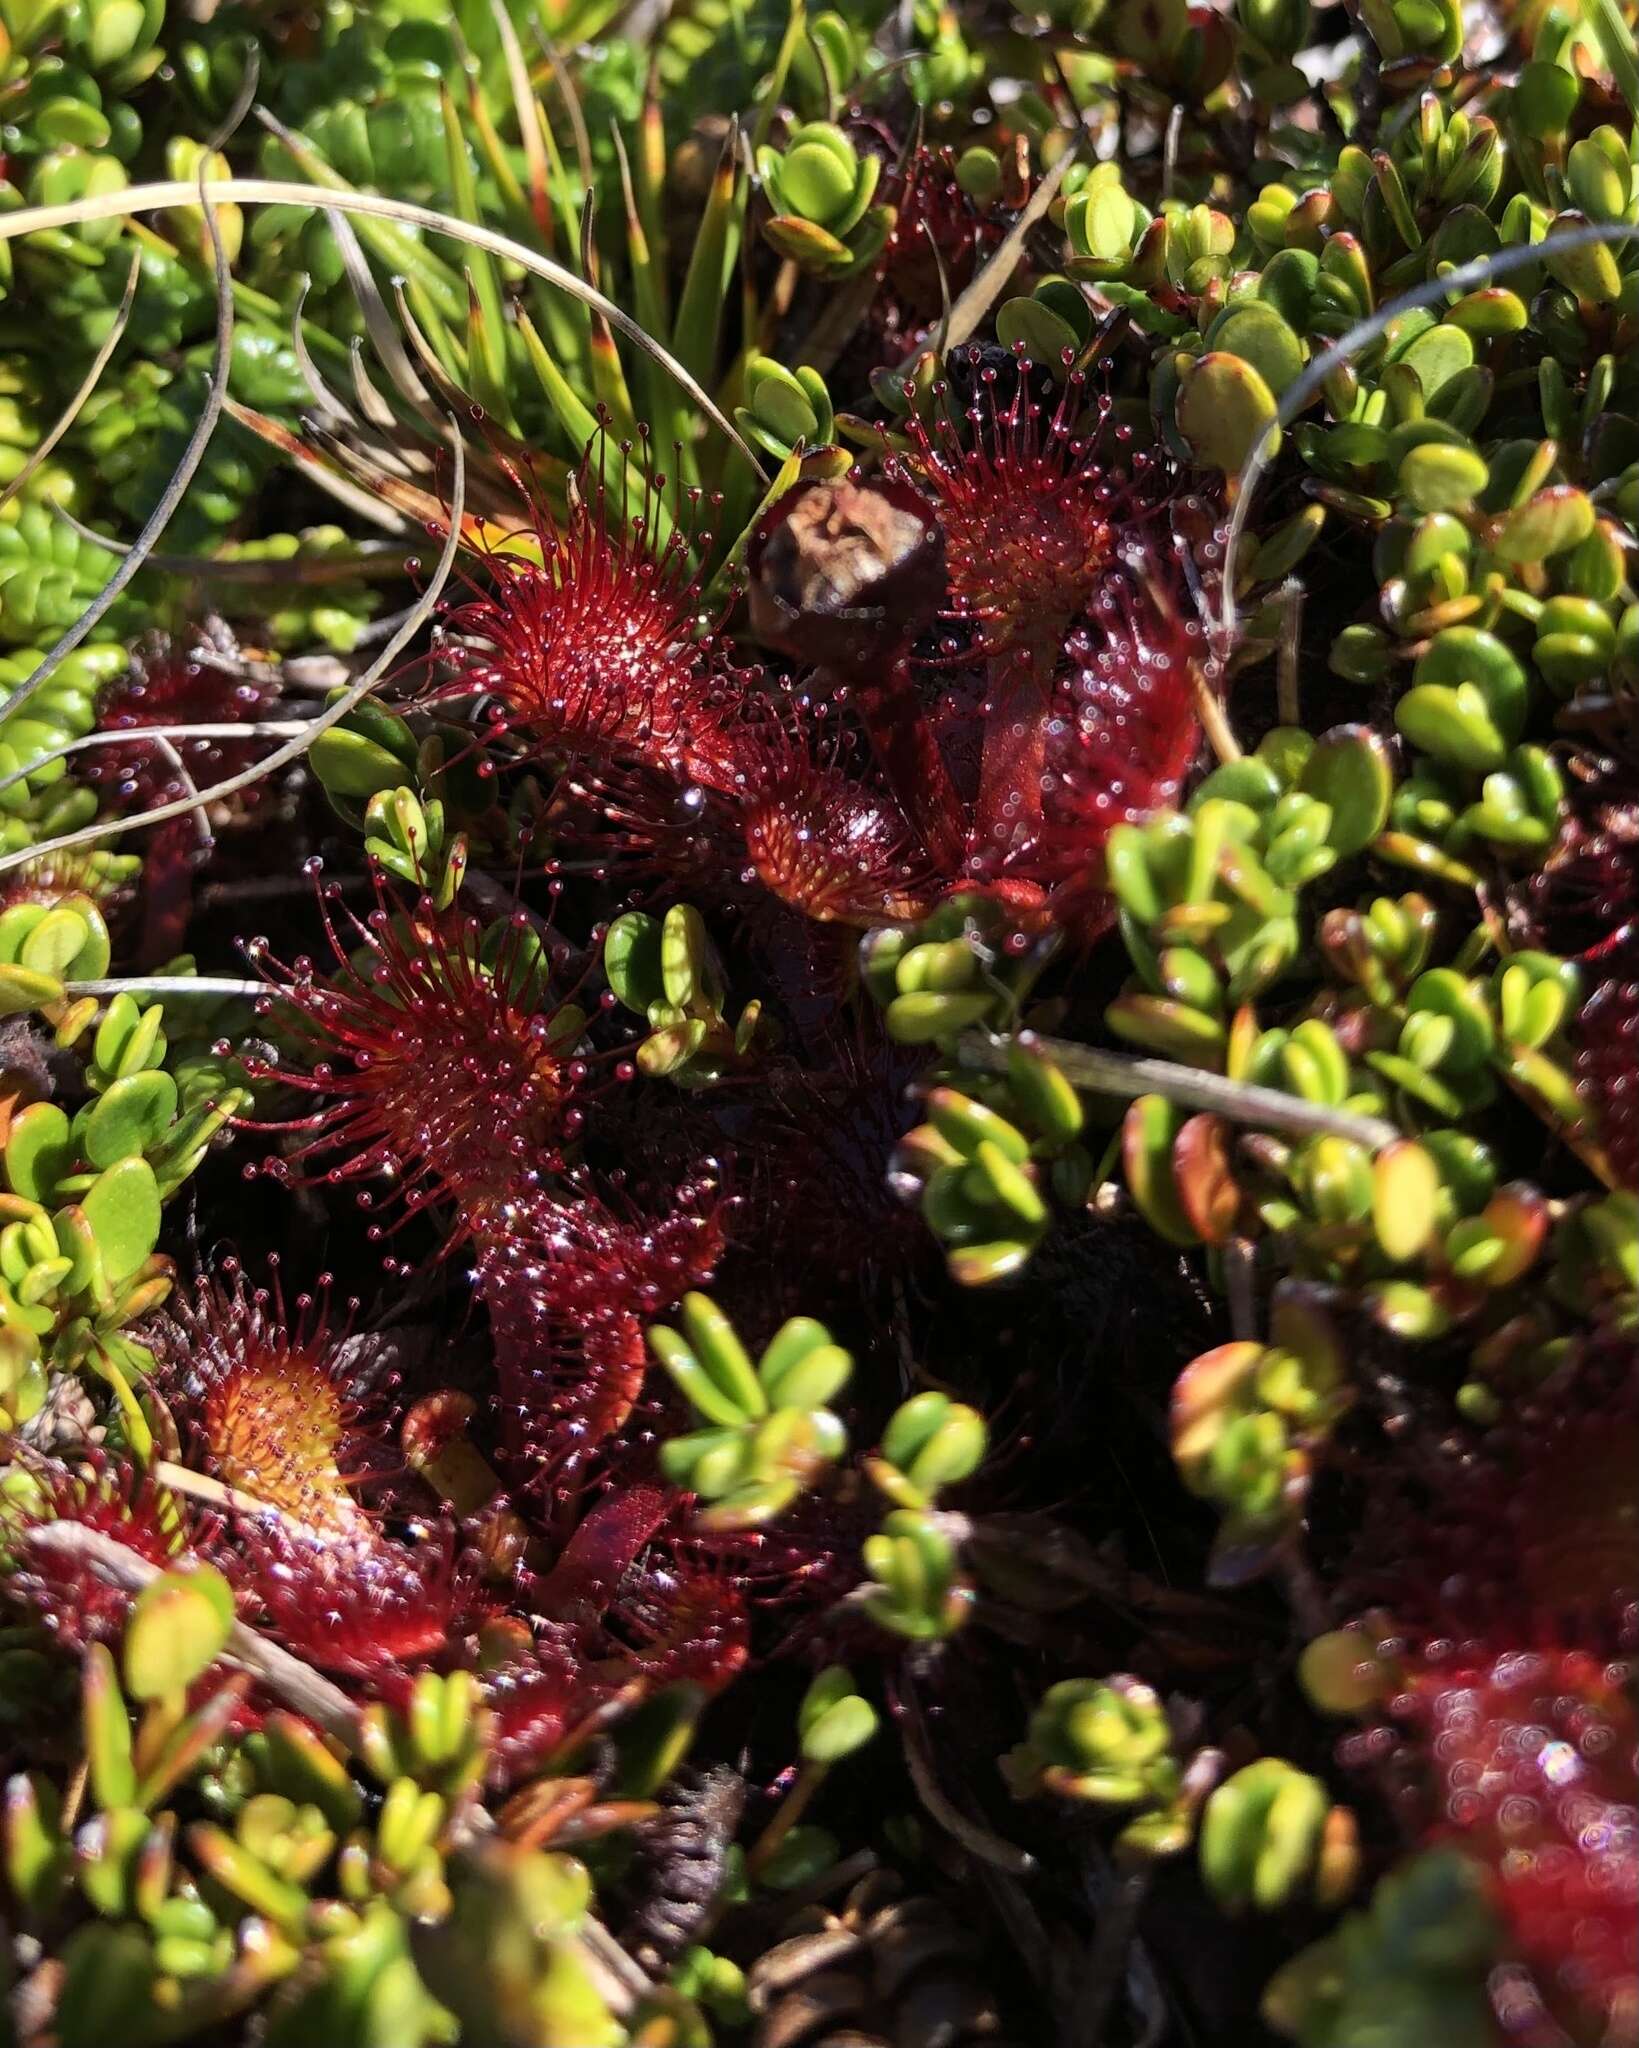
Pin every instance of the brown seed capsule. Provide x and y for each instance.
(846, 574)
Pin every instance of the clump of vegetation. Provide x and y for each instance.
(819, 994)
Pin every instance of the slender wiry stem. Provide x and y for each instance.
(622, 1982)
(273, 728)
(795, 1804)
(165, 193)
(1120, 1074)
(1240, 1268)
(1288, 698)
(179, 768)
(167, 985)
(181, 477)
(105, 828)
(988, 286)
(977, 1840)
(295, 1682)
(1209, 708)
(92, 378)
(1467, 277)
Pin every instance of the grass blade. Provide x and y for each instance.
(712, 265)
(162, 193)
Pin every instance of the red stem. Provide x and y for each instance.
(909, 756)
(1009, 810)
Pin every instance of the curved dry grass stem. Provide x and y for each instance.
(179, 768)
(212, 1493)
(420, 612)
(167, 985)
(1209, 708)
(1466, 277)
(271, 728)
(296, 1683)
(527, 110)
(376, 561)
(1125, 1077)
(986, 288)
(93, 377)
(183, 475)
(163, 193)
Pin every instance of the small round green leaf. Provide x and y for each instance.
(39, 1151)
(178, 1628)
(1223, 409)
(130, 1118)
(1348, 770)
(122, 1208)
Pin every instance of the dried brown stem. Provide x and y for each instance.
(296, 1683)
(978, 1841)
(1119, 1074)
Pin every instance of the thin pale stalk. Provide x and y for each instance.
(166, 984)
(181, 477)
(93, 377)
(528, 110)
(1126, 1077)
(296, 1683)
(792, 1807)
(987, 287)
(105, 828)
(1442, 290)
(1209, 709)
(213, 1493)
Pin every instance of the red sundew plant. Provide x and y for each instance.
(1028, 508)
(1121, 737)
(688, 1624)
(1608, 1049)
(827, 844)
(538, 1698)
(440, 1066)
(1516, 1614)
(1531, 1751)
(75, 1604)
(175, 686)
(356, 1604)
(607, 1542)
(1091, 657)
(939, 234)
(269, 1397)
(570, 1285)
(623, 1620)
(594, 641)
(1007, 774)
(956, 1090)
(622, 1582)
(1589, 886)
